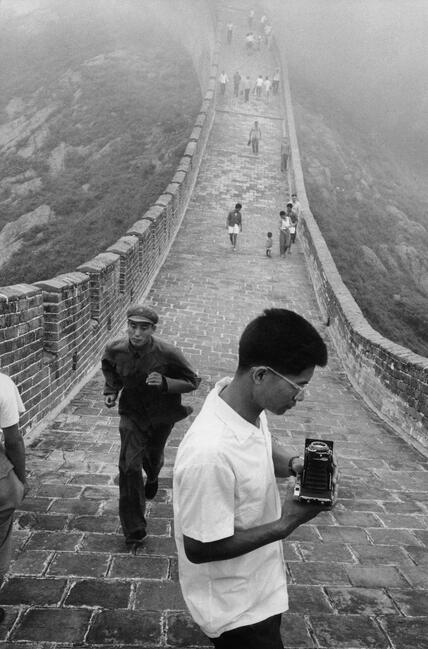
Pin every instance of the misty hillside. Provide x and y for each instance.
(95, 112)
(373, 212)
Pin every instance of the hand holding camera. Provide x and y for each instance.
(317, 482)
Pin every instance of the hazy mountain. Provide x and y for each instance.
(96, 105)
(372, 212)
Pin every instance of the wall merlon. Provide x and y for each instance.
(190, 151)
(62, 282)
(153, 213)
(195, 134)
(16, 292)
(185, 165)
(102, 262)
(139, 228)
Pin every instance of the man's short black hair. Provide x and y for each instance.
(282, 213)
(282, 339)
(238, 206)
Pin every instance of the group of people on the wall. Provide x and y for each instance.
(245, 87)
(229, 521)
(287, 230)
(228, 517)
(257, 35)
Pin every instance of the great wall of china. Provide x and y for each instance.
(52, 332)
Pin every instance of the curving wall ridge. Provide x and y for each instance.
(52, 332)
(392, 380)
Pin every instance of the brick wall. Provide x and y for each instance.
(392, 379)
(52, 333)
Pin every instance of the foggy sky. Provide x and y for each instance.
(370, 55)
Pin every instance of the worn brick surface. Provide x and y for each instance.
(81, 564)
(358, 575)
(52, 625)
(120, 627)
(346, 631)
(31, 590)
(99, 593)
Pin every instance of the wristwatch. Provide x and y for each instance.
(290, 464)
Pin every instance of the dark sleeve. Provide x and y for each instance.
(181, 376)
(113, 382)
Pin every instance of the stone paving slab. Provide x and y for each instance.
(358, 575)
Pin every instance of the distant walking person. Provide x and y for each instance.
(249, 42)
(285, 154)
(255, 137)
(284, 233)
(234, 224)
(150, 376)
(267, 86)
(250, 19)
(223, 79)
(247, 88)
(275, 81)
(259, 85)
(236, 81)
(269, 244)
(13, 486)
(295, 215)
(297, 208)
(229, 32)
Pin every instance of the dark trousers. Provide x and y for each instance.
(247, 94)
(140, 449)
(284, 241)
(263, 635)
(255, 145)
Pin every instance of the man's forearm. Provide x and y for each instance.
(180, 386)
(242, 542)
(281, 461)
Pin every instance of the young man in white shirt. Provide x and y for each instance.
(223, 79)
(13, 486)
(229, 522)
(297, 208)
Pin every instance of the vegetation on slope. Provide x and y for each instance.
(121, 99)
(373, 213)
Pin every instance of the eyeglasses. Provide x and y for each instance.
(300, 389)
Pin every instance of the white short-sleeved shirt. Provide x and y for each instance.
(10, 408)
(223, 481)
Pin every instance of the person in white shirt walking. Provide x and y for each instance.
(228, 518)
(223, 80)
(259, 85)
(254, 137)
(267, 86)
(13, 485)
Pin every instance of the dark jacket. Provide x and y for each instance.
(126, 368)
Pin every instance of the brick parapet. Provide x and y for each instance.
(52, 332)
(392, 379)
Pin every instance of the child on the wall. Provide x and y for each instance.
(269, 244)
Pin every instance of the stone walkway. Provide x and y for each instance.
(358, 576)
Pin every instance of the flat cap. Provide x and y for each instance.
(141, 313)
